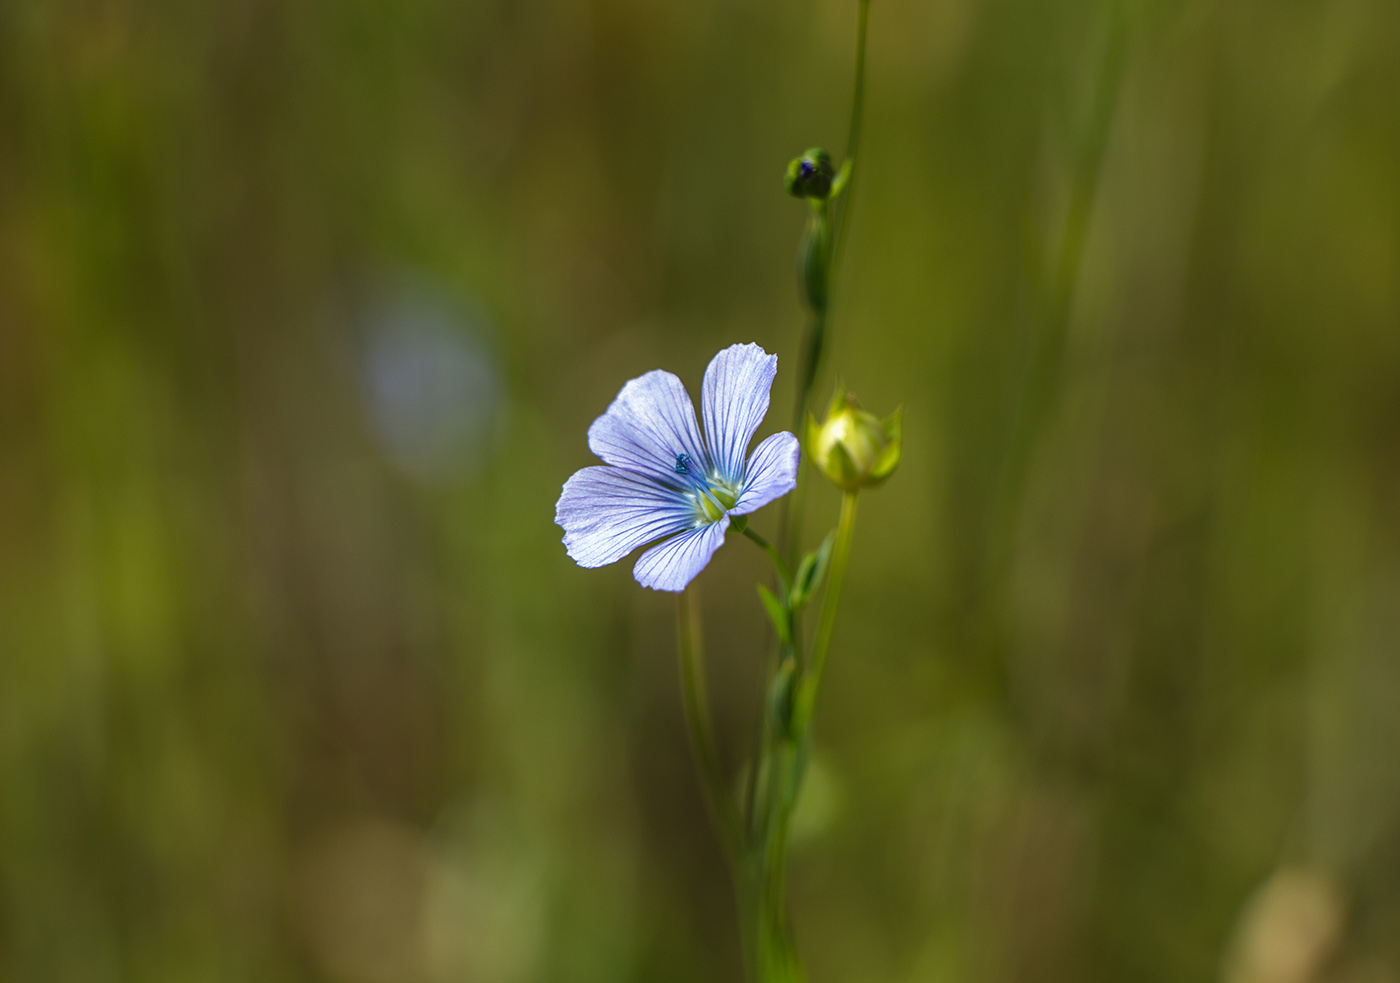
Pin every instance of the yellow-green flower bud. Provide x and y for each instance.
(810, 175)
(853, 448)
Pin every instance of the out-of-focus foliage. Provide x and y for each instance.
(305, 308)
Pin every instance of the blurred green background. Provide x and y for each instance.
(305, 308)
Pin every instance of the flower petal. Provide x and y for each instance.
(734, 401)
(771, 472)
(673, 564)
(606, 513)
(651, 421)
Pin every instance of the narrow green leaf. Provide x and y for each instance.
(843, 178)
(777, 613)
(800, 590)
(781, 691)
(811, 572)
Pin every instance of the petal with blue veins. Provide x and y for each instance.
(771, 472)
(673, 564)
(647, 427)
(607, 512)
(734, 400)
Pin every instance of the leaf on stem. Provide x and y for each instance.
(843, 177)
(811, 572)
(777, 613)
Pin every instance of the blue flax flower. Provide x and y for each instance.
(667, 486)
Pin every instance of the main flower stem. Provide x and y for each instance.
(787, 743)
(832, 225)
(826, 626)
(853, 137)
(829, 225)
(813, 348)
(815, 251)
(702, 740)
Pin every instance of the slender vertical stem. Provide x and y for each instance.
(718, 801)
(778, 961)
(783, 764)
(857, 120)
(816, 271)
(776, 773)
(807, 692)
(834, 228)
(790, 520)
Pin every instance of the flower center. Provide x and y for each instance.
(711, 494)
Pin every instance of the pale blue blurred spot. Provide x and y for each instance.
(430, 382)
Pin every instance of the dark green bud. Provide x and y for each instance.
(810, 175)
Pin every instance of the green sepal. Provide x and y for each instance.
(841, 469)
(889, 458)
(885, 464)
(810, 573)
(894, 424)
(777, 613)
(838, 400)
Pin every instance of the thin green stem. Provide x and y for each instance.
(807, 692)
(697, 717)
(814, 342)
(816, 248)
(816, 241)
(790, 518)
(853, 138)
(778, 961)
(784, 577)
(783, 759)
(790, 515)
(858, 90)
